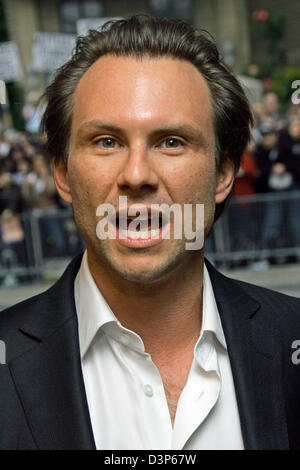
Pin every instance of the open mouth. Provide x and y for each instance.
(147, 225)
(138, 228)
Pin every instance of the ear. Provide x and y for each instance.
(224, 181)
(60, 174)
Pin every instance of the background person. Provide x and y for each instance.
(40, 194)
(277, 179)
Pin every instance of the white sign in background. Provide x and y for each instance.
(2, 92)
(51, 50)
(83, 25)
(10, 64)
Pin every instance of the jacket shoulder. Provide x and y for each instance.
(276, 308)
(272, 305)
(12, 315)
(266, 293)
(41, 314)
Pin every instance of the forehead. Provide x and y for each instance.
(145, 91)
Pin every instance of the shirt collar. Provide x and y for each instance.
(94, 312)
(92, 309)
(210, 315)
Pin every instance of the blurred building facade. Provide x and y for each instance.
(236, 25)
(283, 30)
(226, 20)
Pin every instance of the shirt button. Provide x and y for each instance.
(148, 390)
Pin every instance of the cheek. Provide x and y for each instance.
(88, 185)
(198, 183)
(189, 178)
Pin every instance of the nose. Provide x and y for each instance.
(137, 174)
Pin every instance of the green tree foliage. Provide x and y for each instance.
(282, 81)
(269, 36)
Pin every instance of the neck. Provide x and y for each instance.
(167, 313)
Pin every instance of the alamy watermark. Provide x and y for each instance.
(296, 95)
(296, 354)
(147, 223)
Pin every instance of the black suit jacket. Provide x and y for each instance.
(43, 403)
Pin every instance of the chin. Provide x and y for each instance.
(140, 273)
(143, 270)
(137, 277)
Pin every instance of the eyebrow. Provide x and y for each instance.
(95, 125)
(193, 134)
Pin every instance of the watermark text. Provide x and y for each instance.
(152, 222)
(296, 95)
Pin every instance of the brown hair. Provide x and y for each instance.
(140, 36)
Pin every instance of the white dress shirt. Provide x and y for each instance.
(125, 393)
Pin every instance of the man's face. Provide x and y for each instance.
(270, 140)
(141, 129)
(294, 129)
(271, 103)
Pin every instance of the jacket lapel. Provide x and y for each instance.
(255, 361)
(48, 375)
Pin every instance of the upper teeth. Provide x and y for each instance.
(141, 234)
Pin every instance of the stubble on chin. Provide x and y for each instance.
(139, 272)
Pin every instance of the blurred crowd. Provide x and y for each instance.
(270, 164)
(27, 187)
(271, 160)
